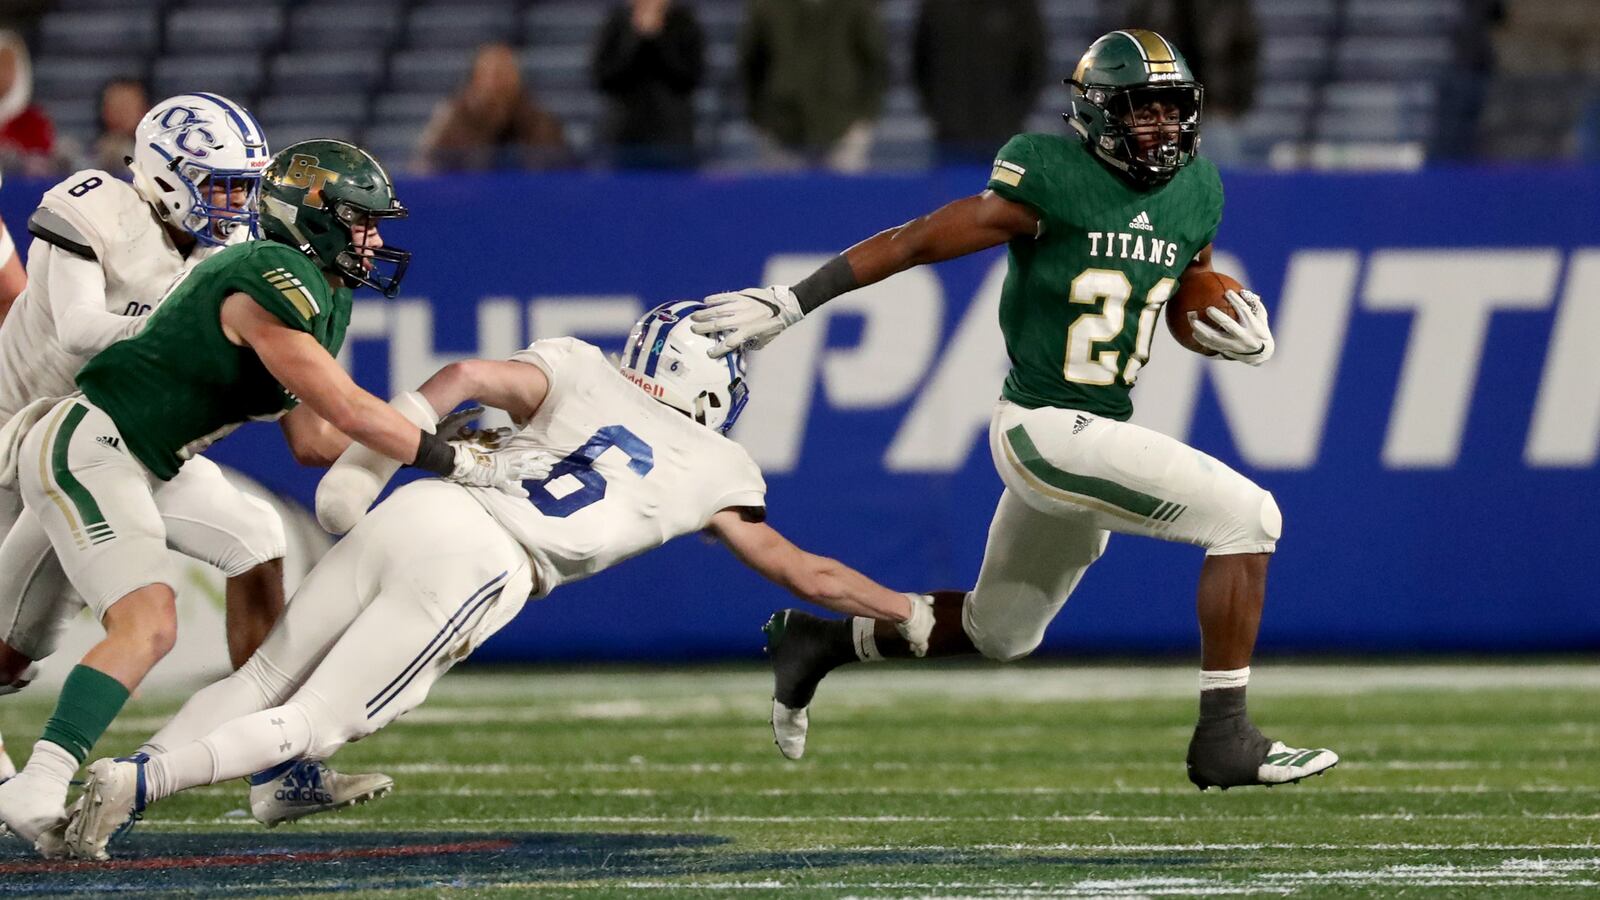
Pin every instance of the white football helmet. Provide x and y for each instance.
(180, 149)
(671, 363)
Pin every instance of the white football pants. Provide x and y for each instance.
(1072, 478)
(413, 589)
(86, 482)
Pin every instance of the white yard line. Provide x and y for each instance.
(1111, 793)
(631, 694)
(1058, 818)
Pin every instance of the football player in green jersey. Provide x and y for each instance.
(249, 333)
(1101, 226)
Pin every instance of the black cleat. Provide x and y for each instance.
(1232, 752)
(803, 649)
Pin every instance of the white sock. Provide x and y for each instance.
(862, 633)
(50, 768)
(239, 748)
(256, 686)
(1219, 679)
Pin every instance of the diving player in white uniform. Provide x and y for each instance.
(105, 253)
(438, 568)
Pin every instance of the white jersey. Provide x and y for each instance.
(635, 473)
(46, 339)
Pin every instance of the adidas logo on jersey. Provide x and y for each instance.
(1142, 222)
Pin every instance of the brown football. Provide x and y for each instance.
(1195, 294)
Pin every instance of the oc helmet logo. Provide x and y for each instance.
(194, 138)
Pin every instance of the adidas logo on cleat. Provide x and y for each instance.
(306, 794)
(1141, 222)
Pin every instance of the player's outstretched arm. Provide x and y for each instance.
(516, 387)
(750, 318)
(313, 441)
(817, 579)
(305, 368)
(359, 475)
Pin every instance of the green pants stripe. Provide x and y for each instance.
(1126, 498)
(95, 526)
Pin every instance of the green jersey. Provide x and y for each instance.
(1082, 300)
(180, 384)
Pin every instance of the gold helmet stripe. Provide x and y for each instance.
(1158, 55)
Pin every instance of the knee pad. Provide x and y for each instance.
(999, 644)
(266, 679)
(331, 728)
(1254, 527)
(258, 538)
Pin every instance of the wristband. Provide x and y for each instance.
(834, 278)
(434, 454)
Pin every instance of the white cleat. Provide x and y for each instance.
(789, 728)
(310, 787)
(1287, 765)
(112, 797)
(33, 814)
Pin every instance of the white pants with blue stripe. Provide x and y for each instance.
(1072, 480)
(413, 589)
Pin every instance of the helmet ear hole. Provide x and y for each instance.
(162, 183)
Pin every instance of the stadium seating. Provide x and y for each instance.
(1363, 71)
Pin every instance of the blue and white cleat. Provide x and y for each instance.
(306, 787)
(113, 798)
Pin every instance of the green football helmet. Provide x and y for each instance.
(1120, 76)
(311, 195)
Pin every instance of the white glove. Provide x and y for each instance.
(477, 466)
(917, 629)
(747, 319)
(1246, 339)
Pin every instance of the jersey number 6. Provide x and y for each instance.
(580, 465)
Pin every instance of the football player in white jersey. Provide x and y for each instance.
(437, 568)
(105, 252)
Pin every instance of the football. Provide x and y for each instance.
(1195, 294)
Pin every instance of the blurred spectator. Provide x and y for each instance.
(979, 68)
(123, 103)
(1463, 93)
(814, 76)
(1220, 40)
(492, 122)
(27, 136)
(650, 59)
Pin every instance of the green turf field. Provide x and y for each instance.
(1477, 779)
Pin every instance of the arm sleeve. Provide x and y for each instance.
(76, 288)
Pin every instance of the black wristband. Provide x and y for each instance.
(834, 278)
(434, 454)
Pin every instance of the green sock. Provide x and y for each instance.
(89, 701)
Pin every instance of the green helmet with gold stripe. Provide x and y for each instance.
(327, 198)
(1137, 104)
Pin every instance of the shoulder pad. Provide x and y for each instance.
(47, 225)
